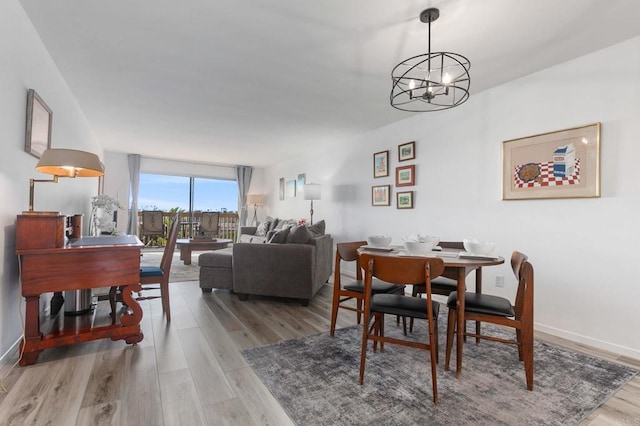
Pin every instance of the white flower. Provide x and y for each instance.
(105, 202)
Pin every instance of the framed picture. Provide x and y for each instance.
(561, 164)
(381, 164)
(39, 115)
(407, 151)
(281, 185)
(291, 188)
(404, 200)
(406, 175)
(380, 195)
(302, 179)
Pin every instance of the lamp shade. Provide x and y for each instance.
(255, 199)
(312, 191)
(70, 163)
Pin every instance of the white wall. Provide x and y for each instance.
(583, 250)
(26, 64)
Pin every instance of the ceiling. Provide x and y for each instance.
(252, 82)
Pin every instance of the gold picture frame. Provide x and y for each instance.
(38, 132)
(560, 164)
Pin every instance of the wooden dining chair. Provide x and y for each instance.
(400, 270)
(150, 275)
(498, 310)
(441, 285)
(353, 289)
(152, 226)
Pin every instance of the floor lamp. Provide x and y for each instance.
(256, 200)
(312, 191)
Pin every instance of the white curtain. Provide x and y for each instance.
(134, 181)
(243, 176)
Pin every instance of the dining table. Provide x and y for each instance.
(457, 265)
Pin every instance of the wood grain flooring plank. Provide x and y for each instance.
(106, 414)
(180, 401)
(140, 401)
(264, 409)
(231, 412)
(209, 379)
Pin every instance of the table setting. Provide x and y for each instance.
(423, 245)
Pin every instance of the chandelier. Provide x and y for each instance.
(432, 81)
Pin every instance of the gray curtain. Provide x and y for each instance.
(243, 176)
(134, 181)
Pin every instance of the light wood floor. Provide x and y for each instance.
(191, 372)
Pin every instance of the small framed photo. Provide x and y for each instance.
(302, 179)
(38, 135)
(404, 200)
(406, 175)
(407, 151)
(380, 195)
(381, 164)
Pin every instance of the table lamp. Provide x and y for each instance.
(64, 163)
(312, 191)
(256, 200)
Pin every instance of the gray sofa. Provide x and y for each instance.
(287, 269)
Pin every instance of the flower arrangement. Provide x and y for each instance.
(102, 208)
(302, 222)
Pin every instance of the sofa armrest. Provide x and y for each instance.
(324, 258)
(248, 230)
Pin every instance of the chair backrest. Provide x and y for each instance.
(210, 222)
(523, 271)
(152, 222)
(458, 245)
(347, 252)
(403, 270)
(167, 256)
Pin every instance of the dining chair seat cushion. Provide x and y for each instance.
(150, 271)
(483, 304)
(377, 286)
(406, 306)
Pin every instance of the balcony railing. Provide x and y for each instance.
(189, 226)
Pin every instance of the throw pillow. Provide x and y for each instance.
(279, 237)
(261, 230)
(299, 235)
(273, 223)
(317, 229)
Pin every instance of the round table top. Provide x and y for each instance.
(450, 257)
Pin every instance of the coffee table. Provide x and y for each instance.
(186, 246)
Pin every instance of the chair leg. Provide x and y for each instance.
(451, 322)
(435, 339)
(527, 354)
(359, 312)
(334, 310)
(363, 350)
(381, 329)
(519, 340)
(164, 292)
(433, 343)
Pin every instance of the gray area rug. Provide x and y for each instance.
(315, 379)
(179, 271)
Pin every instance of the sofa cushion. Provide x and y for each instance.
(254, 239)
(216, 259)
(273, 222)
(317, 228)
(299, 234)
(280, 236)
(263, 228)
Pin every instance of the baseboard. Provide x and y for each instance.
(589, 341)
(11, 352)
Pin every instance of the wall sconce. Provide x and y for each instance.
(312, 191)
(256, 200)
(64, 163)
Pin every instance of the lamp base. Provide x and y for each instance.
(35, 213)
